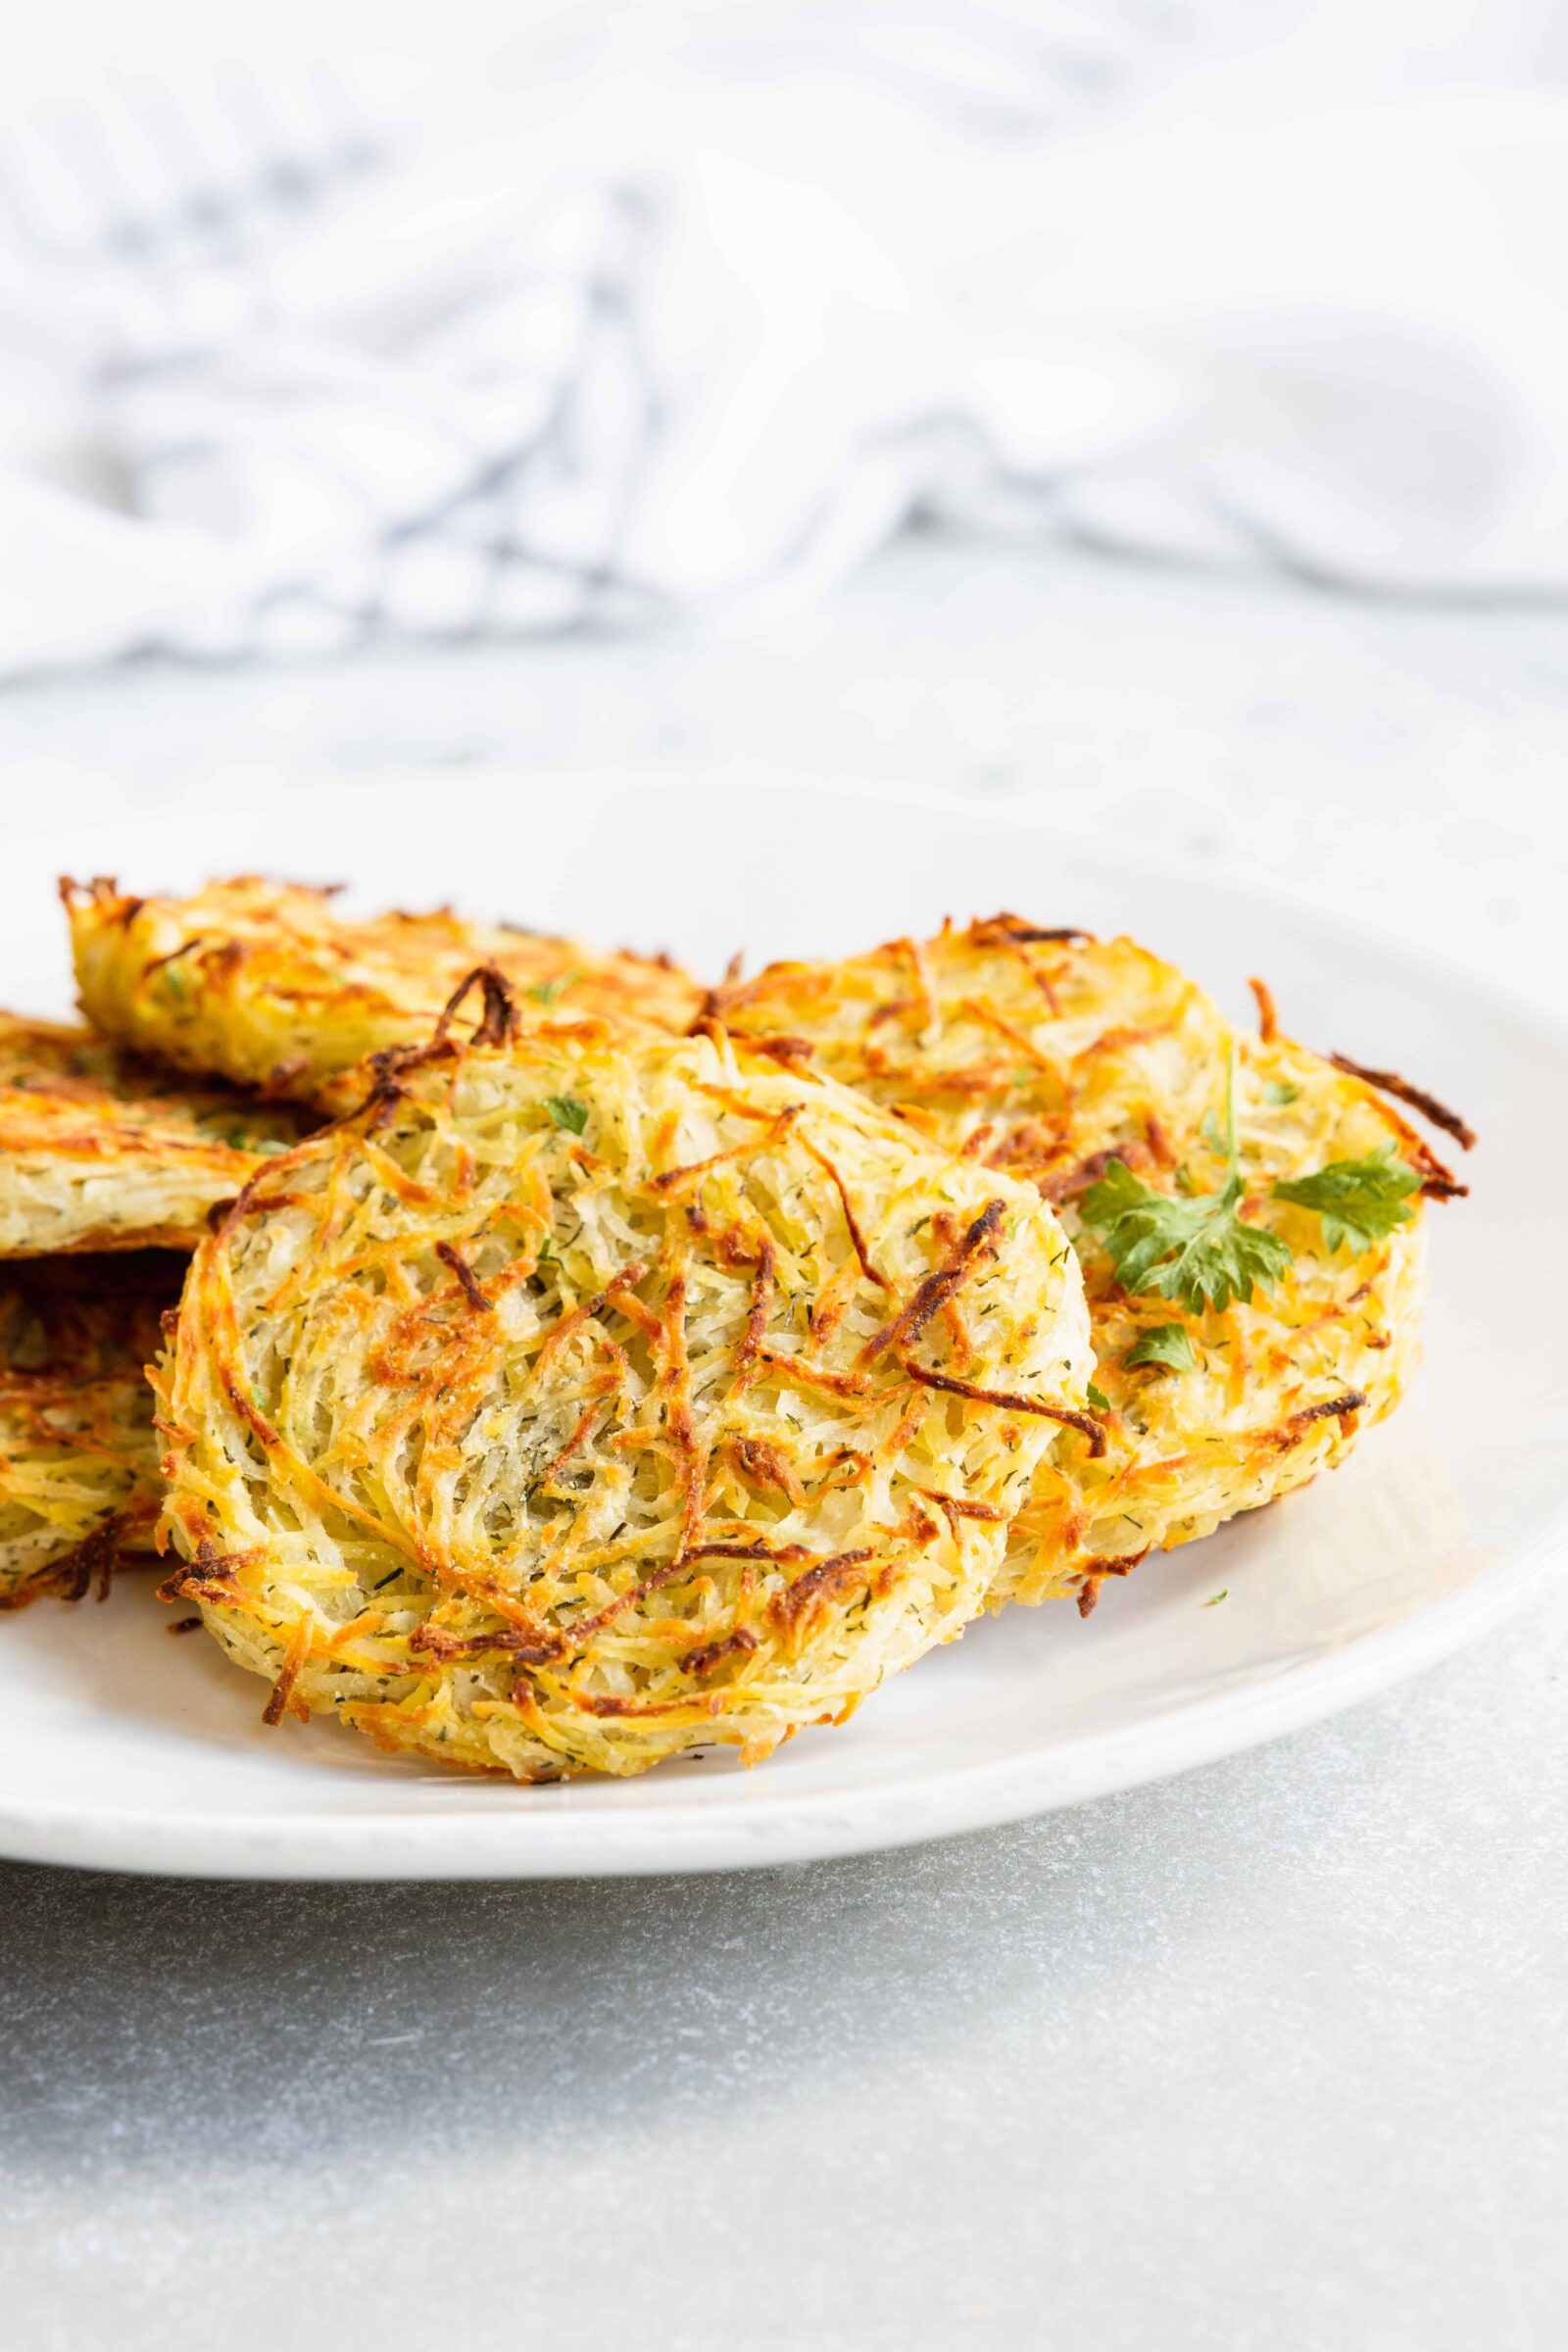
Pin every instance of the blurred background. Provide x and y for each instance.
(1153, 412)
(597, 318)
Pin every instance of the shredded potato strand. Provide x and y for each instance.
(78, 1458)
(538, 1436)
(269, 984)
(1045, 1055)
(102, 1149)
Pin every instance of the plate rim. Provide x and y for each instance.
(945, 1800)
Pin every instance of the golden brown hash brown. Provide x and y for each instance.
(78, 1458)
(102, 1149)
(577, 1403)
(1046, 1053)
(268, 984)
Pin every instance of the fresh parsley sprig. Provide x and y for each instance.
(1360, 1200)
(1195, 1250)
(1167, 1344)
(567, 1112)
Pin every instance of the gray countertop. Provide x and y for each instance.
(1270, 2055)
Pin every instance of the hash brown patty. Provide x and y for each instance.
(78, 1460)
(575, 1405)
(102, 1149)
(1046, 1053)
(268, 984)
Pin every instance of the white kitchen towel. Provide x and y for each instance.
(280, 370)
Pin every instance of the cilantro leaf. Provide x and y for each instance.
(1097, 1399)
(567, 1113)
(1276, 1091)
(1195, 1250)
(1163, 1343)
(545, 992)
(1215, 1599)
(1360, 1200)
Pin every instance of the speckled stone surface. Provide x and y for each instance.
(1275, 2055)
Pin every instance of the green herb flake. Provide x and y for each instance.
(1276, 1091)
(1099, 1403)
(1195, 1250)
(545, 992)
(1165, 1343)
(1360, 1200)
(1215, 1599)
(567, 1113)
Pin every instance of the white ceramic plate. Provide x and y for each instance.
(124, 1748)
